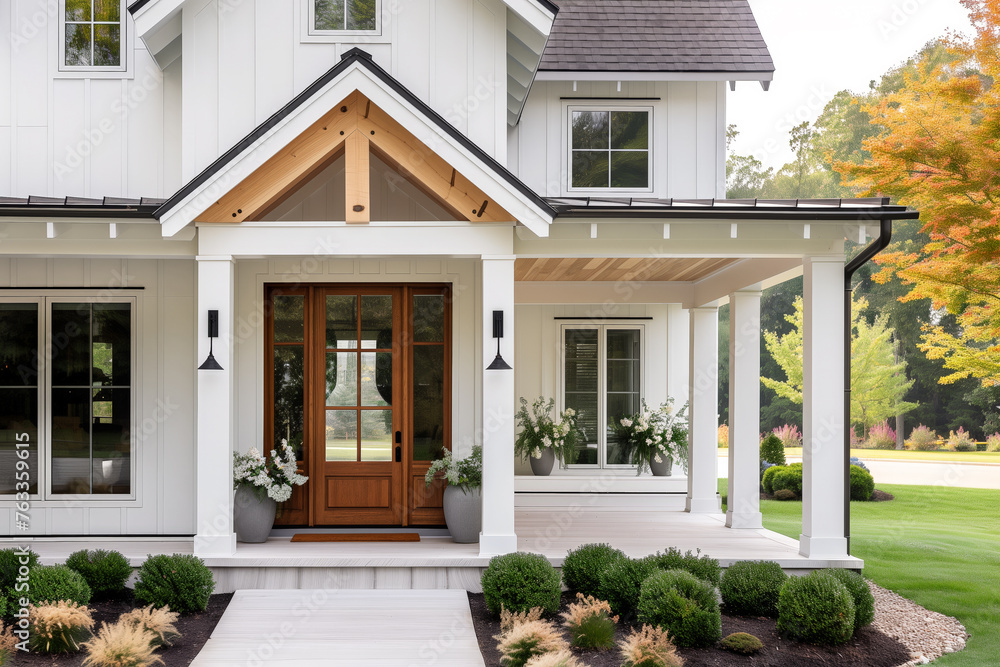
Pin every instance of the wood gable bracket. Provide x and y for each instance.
(354, 128)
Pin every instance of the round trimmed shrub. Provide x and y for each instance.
(752, 587)
(180, 580)
(785, 494)
(105, 571)
(703, 567)
(772, 450)
(620, 584)
(519, 582)
(862, 483)
(788, 477)
(816, 609)
(767, 481)
(581, 571)
(53, 583)
(10, 566)
(682, 604)
(742, 643)
(864, 601)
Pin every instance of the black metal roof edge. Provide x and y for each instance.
(359, 56)
(656, 71)
(741, 213)
(137, 5)
(79, 207)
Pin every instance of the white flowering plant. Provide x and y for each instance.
(540, 430)
(654, 434)
(271, 477)
(465, 474)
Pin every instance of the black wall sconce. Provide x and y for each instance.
(498, 364)
(213, 332)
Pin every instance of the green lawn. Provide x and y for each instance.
(907, 455)
(939, 547)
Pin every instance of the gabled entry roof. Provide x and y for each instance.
(356, 73)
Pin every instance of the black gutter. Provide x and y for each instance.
(145, 212)
(784, 213)
(874, 248)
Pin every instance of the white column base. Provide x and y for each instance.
(704, 505)
(215, 545)
(496, 545)
(744, 520)
(823, 547)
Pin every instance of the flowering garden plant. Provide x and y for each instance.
(465, 474)
(654, 434)
(539, 430)
(268, 477)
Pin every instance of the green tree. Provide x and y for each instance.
(745, 175)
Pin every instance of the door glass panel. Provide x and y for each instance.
(428, 318)
(341, 379)
(71, 344)
(71, 468)
(623, 384)
(341, 435)
(18, 393)
(289, 397)
(342, 322)
(376, 378)
(581, 389)
(376, 432)
(376, 322)
(289, 318)
(428, 402)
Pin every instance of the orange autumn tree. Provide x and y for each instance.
(939, 151)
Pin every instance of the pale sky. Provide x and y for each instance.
(820, 47)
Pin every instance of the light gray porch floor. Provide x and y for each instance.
(310, 628)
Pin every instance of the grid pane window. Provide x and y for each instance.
(610, 149)
(92, 33)
(602, 381)
(19, 379)
(345, 15)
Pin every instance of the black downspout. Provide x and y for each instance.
(885, 235)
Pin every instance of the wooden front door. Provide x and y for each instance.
(373, 384)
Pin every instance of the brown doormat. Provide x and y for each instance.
(355, 537)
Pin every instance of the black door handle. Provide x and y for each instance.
(399, 437)
(399, 454)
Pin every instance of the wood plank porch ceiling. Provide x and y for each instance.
(614, 269)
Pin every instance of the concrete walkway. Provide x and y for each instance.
(337, 628)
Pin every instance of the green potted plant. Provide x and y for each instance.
(543, 439)
(463, 500)
(654, 439)
(261, 483)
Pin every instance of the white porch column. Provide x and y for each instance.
(743, 508)
(703, 397)
(215, 535)
(498, 410)
(823, 408)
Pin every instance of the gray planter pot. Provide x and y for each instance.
(543, 466)
(664, 468)
(463, 512)
(252, 517)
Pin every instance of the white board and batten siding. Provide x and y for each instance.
(688, 134)
(163, 391)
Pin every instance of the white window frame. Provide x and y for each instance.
(568, 147)
(311, 34)
(44, 444)
(602, 384)
(93, 71)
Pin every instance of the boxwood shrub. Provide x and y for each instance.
(816, 609)
(751, 588)
(703, 567)
(862, 483)
(520, 581)
(742, 643)
(53, 583)
(788, 477)
(581, 571)
(181, 581)
(682, 604)
(864, 601)
(621, 582)
(767, 480)
(105, 571)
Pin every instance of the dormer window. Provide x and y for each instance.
(340, 16)
(609, 149)
(92, 35)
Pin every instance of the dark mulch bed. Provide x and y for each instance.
(869, 649)
(877, 497)
(195, 630)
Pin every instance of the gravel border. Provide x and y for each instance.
(926, 634)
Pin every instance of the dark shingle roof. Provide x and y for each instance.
(656, 36)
